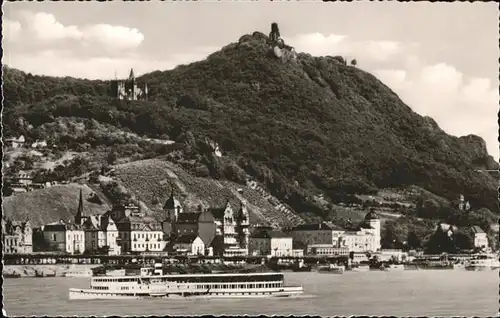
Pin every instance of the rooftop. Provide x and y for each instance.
(334, 227)
(270, 234)
(313, 227)
(188, 217)
(187, 239)
(476, 229)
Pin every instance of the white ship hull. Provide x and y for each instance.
(80, 294)
(152, 284)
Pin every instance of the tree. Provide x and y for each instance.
(463, 241)
(103, 250)
(155, 201)
(111, 158)
(428, 209)
(354, 62)
(394, 234)
(414, 241)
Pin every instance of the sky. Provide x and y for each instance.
(440, 58)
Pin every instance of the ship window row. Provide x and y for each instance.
(207, 279)
(115, 280)
(225, 279)
(238, 286)
(100, 287)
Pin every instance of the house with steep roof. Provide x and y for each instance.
(95, 235)
(17, 237)
(100, 233)
(337, 233)
(364, 237)
(64, 237)
(189, 244)
(15, 142)
(273, 243)
(233, 227)
(361, 238)
(198, 223)
(316, 233)
(140, 234)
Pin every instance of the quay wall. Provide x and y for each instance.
(45, 269)
(42, 259)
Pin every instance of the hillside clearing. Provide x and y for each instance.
(50, 204)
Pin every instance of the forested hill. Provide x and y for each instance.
(303, 127)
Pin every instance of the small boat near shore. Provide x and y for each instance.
(79, 272)
(411, 267)
(393, 267)
(436, 266)
(39, 273)
(11, 275)
(459, 265)
(483, 263)
(331, 269)
(301, 267)
(359, 268)
(151, 283)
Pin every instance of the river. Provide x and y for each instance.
(405, 293)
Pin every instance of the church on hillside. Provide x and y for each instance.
(130, 88)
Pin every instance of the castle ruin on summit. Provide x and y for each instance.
(130, 88)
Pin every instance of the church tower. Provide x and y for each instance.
(172, 208)
(79, 217)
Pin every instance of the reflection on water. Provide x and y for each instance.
(405, 293)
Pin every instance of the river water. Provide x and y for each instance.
(405, 293)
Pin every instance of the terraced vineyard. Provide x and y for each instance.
(151, 181)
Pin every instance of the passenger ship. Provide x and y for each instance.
(152, 283)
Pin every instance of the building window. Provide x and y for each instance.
(53, 237)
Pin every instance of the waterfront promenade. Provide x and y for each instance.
(53, 258)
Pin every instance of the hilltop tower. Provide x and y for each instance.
(279, 48)
(274, 35)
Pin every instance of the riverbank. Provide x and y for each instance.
(58, 270)
(45, 270)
